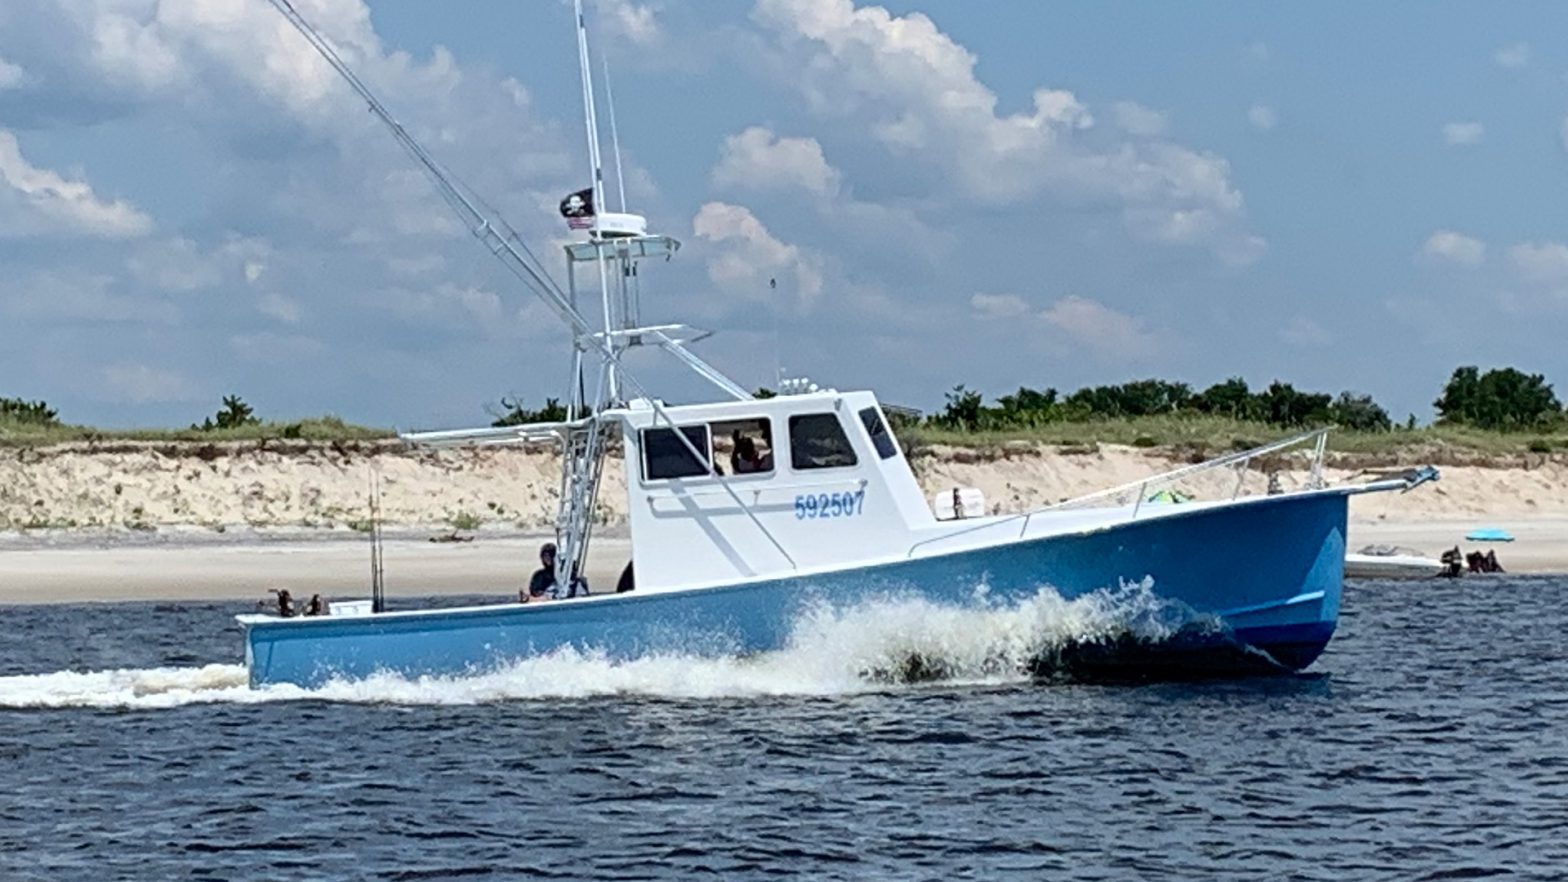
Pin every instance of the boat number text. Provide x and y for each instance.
(829, 505)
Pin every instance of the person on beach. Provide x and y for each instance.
(1453, 563)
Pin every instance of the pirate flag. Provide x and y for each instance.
(578, 209)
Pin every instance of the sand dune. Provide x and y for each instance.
(67, 512)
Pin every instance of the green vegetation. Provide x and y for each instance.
(234, 414)
(27, 413)
(1506, 400)
(514, 414)
(1199, 436)
(1499, 412)
(325, 428)
(1280, 405)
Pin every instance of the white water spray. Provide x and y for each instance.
(832, 651)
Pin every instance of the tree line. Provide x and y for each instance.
(1503, 399)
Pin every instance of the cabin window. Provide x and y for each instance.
(746, 445)
(817, 441)
(664, 456)
(881, 438)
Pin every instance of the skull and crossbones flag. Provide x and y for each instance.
(578, 209)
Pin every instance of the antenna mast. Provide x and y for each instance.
(615, 135)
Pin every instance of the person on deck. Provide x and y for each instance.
(541, 586)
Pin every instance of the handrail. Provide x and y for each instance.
(1184, 471)
(861, 483)
(1142, 485)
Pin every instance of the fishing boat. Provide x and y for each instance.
(748, 513)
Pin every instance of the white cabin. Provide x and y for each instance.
(827, 484)
(828, 487)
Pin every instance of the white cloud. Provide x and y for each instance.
(11, 75)
(174, 265)
(268, 347)
(636, 23)
(1512, 55)
(37, 201)
(1455, 247)
(1135, 119)
(1541, 262)
(757, 158)
(1262, 117)
(69, 295)
(1463, 134)
(999, 305)
(750, 257)
(916, 91)
(417, 266)
(142, 384)
(1100, 328)
(1304, 333)
(277, 306)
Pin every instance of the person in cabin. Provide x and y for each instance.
(745, 459)
(627, 582)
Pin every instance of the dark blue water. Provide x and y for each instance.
(1431, 743)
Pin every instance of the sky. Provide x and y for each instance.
(902, 197)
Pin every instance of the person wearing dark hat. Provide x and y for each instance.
(541, 585)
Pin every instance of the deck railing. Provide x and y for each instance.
(1240, 461)
(1136, 493)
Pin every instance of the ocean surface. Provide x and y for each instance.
(1430, 742)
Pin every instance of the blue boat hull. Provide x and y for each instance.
(1265, 574)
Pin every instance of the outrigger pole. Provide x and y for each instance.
(582, 435)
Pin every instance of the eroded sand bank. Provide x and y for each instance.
(171, 521)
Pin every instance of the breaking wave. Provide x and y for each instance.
(832, 651)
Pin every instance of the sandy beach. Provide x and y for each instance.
(184, 522)
(335, 566)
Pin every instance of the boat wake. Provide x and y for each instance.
(833, 651)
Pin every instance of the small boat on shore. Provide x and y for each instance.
(747, 513)
(1391, 562)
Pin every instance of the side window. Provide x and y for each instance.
(881, 439)
(664, 456)
(746, 445)
(817, 441)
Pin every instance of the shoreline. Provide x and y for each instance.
(334, 566)
(200, 565)
(213, 522)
